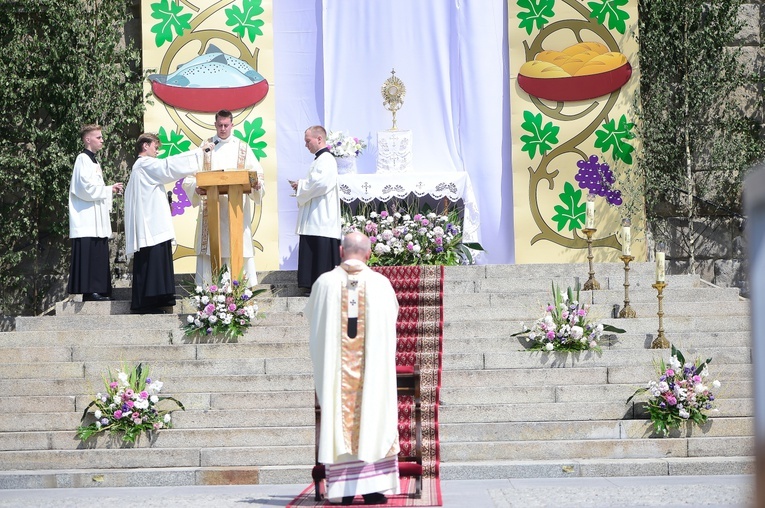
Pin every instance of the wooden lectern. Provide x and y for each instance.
(235, 184)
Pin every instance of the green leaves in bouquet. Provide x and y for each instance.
(226, 307)
(129, 406)
(666, 409)
(565, 326)
(410, 234)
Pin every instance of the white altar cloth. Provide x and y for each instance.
(452, 185)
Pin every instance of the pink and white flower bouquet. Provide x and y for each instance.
(412, 238)
(130, 405)
(565, 326)
(342, 145)
(681, 394)
(226, 307)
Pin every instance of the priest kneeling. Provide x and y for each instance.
(353, 311)
(149, 231)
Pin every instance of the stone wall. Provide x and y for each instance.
(720, 247)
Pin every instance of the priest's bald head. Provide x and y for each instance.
(355, 246)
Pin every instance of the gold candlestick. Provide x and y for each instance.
(627, 311)
(660, 342)
(591, 282)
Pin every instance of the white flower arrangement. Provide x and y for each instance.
(226, 307)
(681, 394)
(342, 145)
(129, 406)
(565, 326)
(414, 238)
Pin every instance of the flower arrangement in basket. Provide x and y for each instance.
(680, 395)
(565, 326)
(409, 238)
(227, 307)
(342, 145)
(129, 406)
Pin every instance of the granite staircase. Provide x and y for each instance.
(505, 412)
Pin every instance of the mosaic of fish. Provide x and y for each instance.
(210, 82)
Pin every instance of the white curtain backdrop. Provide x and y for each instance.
(331, 59)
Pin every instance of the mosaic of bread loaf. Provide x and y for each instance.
(583, 59)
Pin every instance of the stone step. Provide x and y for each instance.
(536, 270)
(637, 376)
(300, 475)
(302, 455)
(461, 433)
(598, 449)
(155, 477)
(583, 430)
(500, 284)
(510, 325)
(687, 341)
(538, 299)
(529, 299)
(642, 373)
(611, 358)
(173, 385)
(601, 312)
(167, 438)
(574, 393)
(598, 467)
(160, 457)
(452, 329)
(567, 411)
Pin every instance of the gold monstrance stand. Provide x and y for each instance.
(393, 91)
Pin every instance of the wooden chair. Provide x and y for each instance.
(408, 384)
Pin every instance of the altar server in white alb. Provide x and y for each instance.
(90, 201)
(229, 154)
(149, 231)
(318, 202)
(352, 312)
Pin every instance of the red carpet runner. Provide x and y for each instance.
(420, 329)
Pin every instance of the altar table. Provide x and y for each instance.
(451, 185)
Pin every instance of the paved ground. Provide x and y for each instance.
(664, 491)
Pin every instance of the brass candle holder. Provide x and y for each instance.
(660, 342)
(591, 282)
(627, 311)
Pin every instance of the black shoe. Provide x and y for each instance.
(347, 500)
(94, 297)
(375, 498)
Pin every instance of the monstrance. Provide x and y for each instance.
(393, 91)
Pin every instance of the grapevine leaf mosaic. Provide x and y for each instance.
(244, 20)
(572, 212)
(615, 137)
(172, 143)
(538, 13)
(169, 15)
(252, 131)
(542, 138)
(610, 9)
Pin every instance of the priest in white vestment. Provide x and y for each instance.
(229, 154)
(149, 231)
(352, 312)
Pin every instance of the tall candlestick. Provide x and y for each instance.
(590, 212)
(626, 240)
(660, 269)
